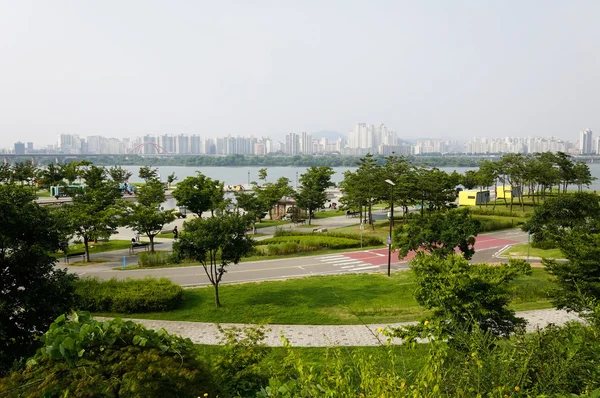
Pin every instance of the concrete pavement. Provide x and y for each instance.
(329, 335)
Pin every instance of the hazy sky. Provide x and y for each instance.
(424, 68)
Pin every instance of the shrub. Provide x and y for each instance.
(128, 296)
(488, 224)
(156, 259)
(313, 241)
(368, 240)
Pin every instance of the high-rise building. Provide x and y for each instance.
(19, 148)
(585, 142)
(292, 144)
(182, 144)
(306, 143)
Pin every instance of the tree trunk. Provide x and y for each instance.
(87, 249)
(217, 301)
(309, 217)
(151, 237)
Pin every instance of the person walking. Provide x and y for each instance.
(175, 233)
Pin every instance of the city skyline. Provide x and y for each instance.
(429, 70)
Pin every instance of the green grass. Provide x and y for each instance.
(99, 247)
(329, 213)
(167, 235)
(327, 300)
(521, 250)
(382, 229)
(42, 193)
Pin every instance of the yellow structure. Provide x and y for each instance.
(473, 198)
(506, 192)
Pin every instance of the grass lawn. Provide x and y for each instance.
(42, 193)
(382, 229)
(327, 300)
(271, 223)
(98, 247)
(521, 250)
(329, 213)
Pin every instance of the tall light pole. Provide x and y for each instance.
(248, 178)
(391, 225)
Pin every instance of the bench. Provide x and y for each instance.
(67, 256)
(300, 222)
(138, 244)
(352, 214)
(385, 209)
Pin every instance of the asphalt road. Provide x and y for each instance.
(373, 260)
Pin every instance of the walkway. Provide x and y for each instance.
(329, 335)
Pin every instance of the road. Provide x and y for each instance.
(364, 261)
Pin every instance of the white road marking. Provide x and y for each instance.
(361, 268)
(331, 256)
(349, 260)
(353, 265)
(378, 254)
(499, 252)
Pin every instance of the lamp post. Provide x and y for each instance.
(248, 178)
(422, 202)
(391, 225)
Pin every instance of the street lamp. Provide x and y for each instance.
(391, 225)
(422, 202)
(248, 178)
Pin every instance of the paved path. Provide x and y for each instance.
(329, 335)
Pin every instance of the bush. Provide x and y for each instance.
(128, 296)
(314, 242)
(489, 224)
(368, 240)
(156, 259)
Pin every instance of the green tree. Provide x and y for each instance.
(119, 174)
(199, 194)
(5, 173)
(578, 278)
(115, 358)
(52, 175)
(254, 208)
(439, 234)
(464, 296)
(147, 215)
(562, 214)
(146, 173)
(71, 171)
(270, 193)
(311, 194)
(23, 172)
(95, 213)
(470, 180)
(582, 175)
(215, 242)
(33, 291)
(171, 178)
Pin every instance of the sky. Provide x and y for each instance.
(454, 69)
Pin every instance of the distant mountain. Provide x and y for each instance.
(330, 135)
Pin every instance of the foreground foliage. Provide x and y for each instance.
(86, 358)
(32, 292)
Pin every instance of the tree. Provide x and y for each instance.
(71, 171)
(464, 295)
(578, 278)
(470, 180)
(52, 175)
(93, 176)
(311, 194)
(171, 178)
(215, 242)
(437, 188)
(146, 173)
(147, 215)
(439, 234)
(95, 213)
(32, 291)
(84, 357)
(254, 208)
(23, 172)
(199, 194)
(564, 213)
(270, 193)
(582, 175)
(119, 174)
(5, 173)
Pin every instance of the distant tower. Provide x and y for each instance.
(585, 142)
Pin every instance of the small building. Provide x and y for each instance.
(506, 192)
(473, 198)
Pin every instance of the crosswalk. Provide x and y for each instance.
(345, 263)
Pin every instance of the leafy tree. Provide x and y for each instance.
(402, 173)
(582, 175)
(559, 215)
(93, 176)
(437, 188)
(95, 213)
(215, 242)
(372, 180)
(254, 208)
(146, 173)
(71, 171)
(565, 170)
(270, 193)
(32, 291)
(23, 172)
(52, 175)
(470, 179)
(147, 215)
(464, 296)
(86, 358)
(578, 278)
(439, 234)
(119, 174)
(262, 174)
(199, 194)
(171, 178)
(311, 194)
(5, 173)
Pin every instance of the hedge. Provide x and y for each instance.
(128, 296)
(314, 241)
(368, 240)
(489, 224)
